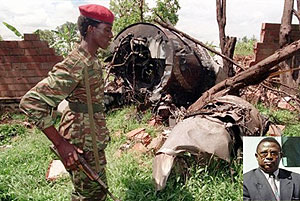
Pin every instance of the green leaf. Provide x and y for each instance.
(13, 29)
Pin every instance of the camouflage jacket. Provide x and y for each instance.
(66, 81)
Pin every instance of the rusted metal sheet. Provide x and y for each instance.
(215, 130)
(153, 61)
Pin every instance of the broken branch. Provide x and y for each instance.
(170, 27)
(297, 14)
(283, 92)
(251, 76)
(278, 83)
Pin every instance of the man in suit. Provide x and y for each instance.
(268, 182)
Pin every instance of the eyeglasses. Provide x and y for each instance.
(273, 154)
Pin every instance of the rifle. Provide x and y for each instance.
(83, 166)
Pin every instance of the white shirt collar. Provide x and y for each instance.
(276, 173)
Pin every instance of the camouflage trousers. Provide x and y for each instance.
(75, 127)
(84, 188)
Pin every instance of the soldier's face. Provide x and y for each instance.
(268, 156)
(103, 34)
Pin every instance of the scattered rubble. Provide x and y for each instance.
(139, 141)
(156, 143)
(244, 60)
(270, 96)
(138, 148)
(275, 130)
(284, 103)
(134, 132)
(55, 170)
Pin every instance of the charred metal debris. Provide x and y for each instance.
(157, 68)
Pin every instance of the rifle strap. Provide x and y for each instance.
(91, 118)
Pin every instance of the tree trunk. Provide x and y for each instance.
(296, 74)
(251, 76)
(297, 12)
(141, 5)
(221, 18)
(285, 39)
(227, 44)
(229, 51)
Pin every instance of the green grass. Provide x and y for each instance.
(134, 182)
(8, 131)
(284, 117)
(23, 168)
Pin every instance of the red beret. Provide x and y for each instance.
(97, 13)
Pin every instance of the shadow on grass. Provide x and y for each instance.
(144, 190)
(5, 195)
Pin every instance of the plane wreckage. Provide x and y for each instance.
(160, 68)
(153, 61)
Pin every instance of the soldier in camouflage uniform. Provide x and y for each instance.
(66, 81)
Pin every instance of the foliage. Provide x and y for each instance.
(245, 46)
(47, 35)
(62, 39)
(212, 46)
(127, 119)
(130, 12)
(1, 39)
(66, 37)
(167, 9)
(292, 130)
(13, 29)
(133, 181)
(7, 132)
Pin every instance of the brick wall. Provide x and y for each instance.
(269, 40)
(23, 64)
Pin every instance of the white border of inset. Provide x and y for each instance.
(249, 149)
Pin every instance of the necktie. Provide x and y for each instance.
(274, 187)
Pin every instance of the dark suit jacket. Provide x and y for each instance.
(257, 187)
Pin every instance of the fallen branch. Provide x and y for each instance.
(284, 71)
(251, 76)
(170, 27)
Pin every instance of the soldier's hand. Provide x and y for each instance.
(67, 151)
(68, 154)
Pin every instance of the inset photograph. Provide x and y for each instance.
(271, 168)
